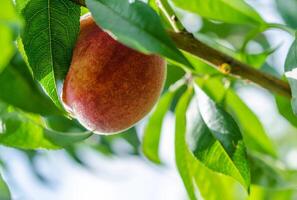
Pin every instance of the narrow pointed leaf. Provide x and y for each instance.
(220, 144)
(28, 131)
(253, 132)
(153, 128)
(49, 36)
(65, 139)
(181, 147)
(23, 130)
(214, 185)
(10, 24)
(230, 11)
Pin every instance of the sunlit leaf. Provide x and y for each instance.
(219, 144)
(253, 132)
(28, 131)
(211, 185)
(231, 11)
(23, 130)
(181, 147)
(152, 133)
(207, 148)
(20, 4)
(9, 26)
(263, 193)
(214, 185)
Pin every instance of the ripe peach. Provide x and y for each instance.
(109, 86)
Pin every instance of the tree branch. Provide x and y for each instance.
(217, 59)
(223, 62)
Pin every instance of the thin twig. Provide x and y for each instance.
(225, 63)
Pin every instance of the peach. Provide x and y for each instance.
(109, 86)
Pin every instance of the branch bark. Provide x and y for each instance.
(217, 59)
(224, 63)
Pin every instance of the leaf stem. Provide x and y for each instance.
(217, 59)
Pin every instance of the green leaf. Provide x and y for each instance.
(131, 137)
(291, 73)
(181, 147)
(152, 132)
(49, 36)
(8, 15)
(230, 11)
(174, 73)
(269, 172)
(214, 185)
(83, 11)
(154, 5)
(20, 4)
(285, 109)
(22, 130)
(211, 185)
(254, 135)
(219, 141)
(66, 139)
(63, 124)
(288, 11)
(4, 190)
(194, 173)
(264, 193)
(19, 89)
(9, 25)
(6, 45)
(135, 25)
(28, 131)
(257, 60)
(208, 148)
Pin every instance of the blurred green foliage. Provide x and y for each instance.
(222, 148)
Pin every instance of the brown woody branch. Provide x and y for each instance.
(225, 63)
